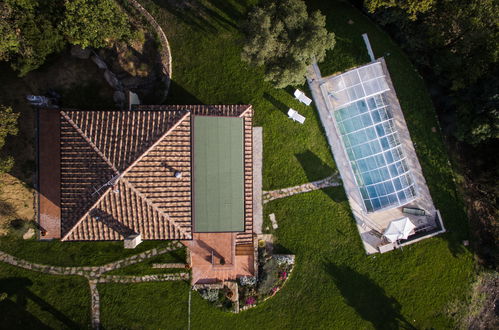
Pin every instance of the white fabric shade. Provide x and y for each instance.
(399, 229)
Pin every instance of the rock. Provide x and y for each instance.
(112, 80)
(99, 62)
(80, 53)
(29, 234)
(119, 97)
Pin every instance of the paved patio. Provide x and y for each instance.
(207, 251)
(370, 225)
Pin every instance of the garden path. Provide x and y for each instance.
(95, 276)
(330, 181)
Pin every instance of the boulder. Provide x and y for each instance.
(112, 80)
(99, 62)
(119, 97)
(29, 234)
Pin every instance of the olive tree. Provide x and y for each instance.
(284, 39)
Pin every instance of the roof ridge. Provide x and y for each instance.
(86, 213)
(138, 159)
(155, 208)
(89, 141)
(248, 109)
(121, 176)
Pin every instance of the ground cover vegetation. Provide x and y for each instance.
(455, 46)
(334, 284)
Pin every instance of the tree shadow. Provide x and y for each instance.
(14, 311)
(316, 169)
(208, 16)
(367, 298)
(276, 103)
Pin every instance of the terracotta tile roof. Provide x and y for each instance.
(117, 171)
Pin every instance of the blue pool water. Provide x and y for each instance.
(373, 147)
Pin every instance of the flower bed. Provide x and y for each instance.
(273, 272)
(220, 298)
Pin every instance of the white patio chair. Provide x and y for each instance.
(300, 96)
(293, 114)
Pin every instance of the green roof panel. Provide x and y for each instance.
(218, 174)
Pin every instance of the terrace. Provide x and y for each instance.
(374, 153)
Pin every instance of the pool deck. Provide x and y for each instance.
(371, 225)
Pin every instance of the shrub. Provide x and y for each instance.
(209, 294)
(247, 280)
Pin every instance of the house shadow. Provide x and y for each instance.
(316, 169)
(367, 298)
(14, 313)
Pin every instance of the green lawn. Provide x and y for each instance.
(123, 305)
(334, 284)
(39, 301)
(72, 253)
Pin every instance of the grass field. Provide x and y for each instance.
(334, 284)
(39, 301)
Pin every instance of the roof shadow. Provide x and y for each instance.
(367, 298)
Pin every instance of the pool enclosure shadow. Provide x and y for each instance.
(316, 169)
(367, 298)
(13, 309)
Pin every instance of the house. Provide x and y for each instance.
(167, 172)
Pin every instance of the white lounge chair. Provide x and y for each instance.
(300, 96)
(293, 114)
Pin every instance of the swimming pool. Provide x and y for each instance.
(372, 144)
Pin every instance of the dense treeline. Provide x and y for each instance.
(31, 30)
(455, 45)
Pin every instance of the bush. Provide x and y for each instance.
(209, 294)
(247, 280)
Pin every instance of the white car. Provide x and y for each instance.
(37, 100)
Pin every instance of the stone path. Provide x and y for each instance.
(86, 271)
(95, 304)
(330, 181)
(95, 276)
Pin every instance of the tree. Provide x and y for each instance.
(8, 126)
(411, 7)
(28, 33)
(284, 39)
(94, 23)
